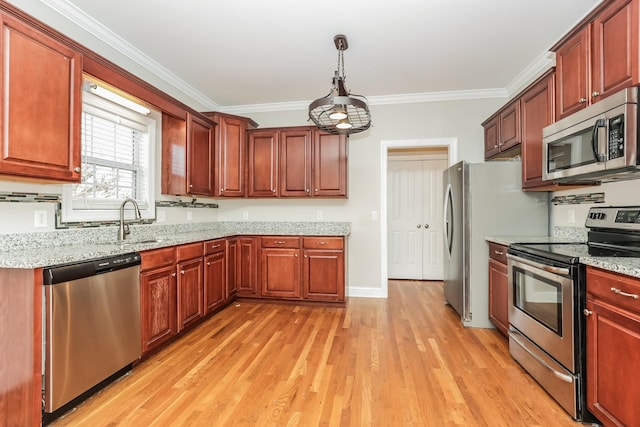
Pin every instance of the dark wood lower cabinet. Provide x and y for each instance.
(190, 290)
(247, 272)
(323, 275)
(232, 269)
(280, 273)
(498, 287)
(613, 347)
(215, 280)
(158, 306)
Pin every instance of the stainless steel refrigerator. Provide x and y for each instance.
(483, 199)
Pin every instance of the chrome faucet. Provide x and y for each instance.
(123, 230)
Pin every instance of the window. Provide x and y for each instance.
(117, 162)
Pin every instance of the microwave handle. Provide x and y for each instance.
(600, 123)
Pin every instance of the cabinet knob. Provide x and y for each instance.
(495, 146)
(582, 100)
(587, 312)
(273, 191)
(173, 274)
(208, 263)
(296, 255)
(322, 243)
(307, 190)
(181, 271)
(595, 93)
(316, 190)
(221, 190)
(77, 169)
(190, 185)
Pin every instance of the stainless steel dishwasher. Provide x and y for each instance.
(92, 325)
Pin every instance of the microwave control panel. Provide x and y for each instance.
(615, 138)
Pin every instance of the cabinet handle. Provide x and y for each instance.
(587, 312)
(215, 246)
(181, 271)
(77, 169)
(322, 243)
(595, 93)
(497, 252)
(623, 294)
(279, 242)
(582, 100)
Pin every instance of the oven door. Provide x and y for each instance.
(541, 304)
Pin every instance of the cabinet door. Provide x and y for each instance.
(613, 364)
(158, 305)
(231, 148)
(247, 279)
(615, 49)
(201, 158)
(510, 126)
(498, 295)
(263, 164)
(323, 275)
(41, 104)
(232, 270)
(280, 272)
(572, 69)
(215, 281)
(190, 287)
(295, 163)
(329, 165)
(536, 111)
(174, 155)
(491, 145)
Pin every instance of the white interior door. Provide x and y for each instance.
(415, 219)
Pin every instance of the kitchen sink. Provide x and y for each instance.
(132, 242)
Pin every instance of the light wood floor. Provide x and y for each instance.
(404, 361)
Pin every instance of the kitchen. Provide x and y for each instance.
(365, 247)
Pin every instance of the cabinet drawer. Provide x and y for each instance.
(192, 250)
(323, 243)
(280, 242)
(623, 291)
(214, 246)
(157, 258)
(498, 252)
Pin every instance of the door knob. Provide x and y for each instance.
(419, 225)
(426, 226)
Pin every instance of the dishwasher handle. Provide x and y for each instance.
(67, 272)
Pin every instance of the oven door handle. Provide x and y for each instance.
(548, 268)
(563, 377)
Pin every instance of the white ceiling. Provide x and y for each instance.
(247, 52)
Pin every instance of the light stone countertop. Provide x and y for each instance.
(33, 250)
(507, 240)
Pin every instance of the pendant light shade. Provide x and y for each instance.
(340, 112)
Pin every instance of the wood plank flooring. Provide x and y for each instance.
(403, 361)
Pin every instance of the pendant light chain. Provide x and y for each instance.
(341, 64)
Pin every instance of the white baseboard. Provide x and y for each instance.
(359, 292)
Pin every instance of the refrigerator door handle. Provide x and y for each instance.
(448, 218)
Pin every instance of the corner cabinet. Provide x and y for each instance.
(598, 58)
(187, 155)
(41, 104)
(498, 287)
(613, 347)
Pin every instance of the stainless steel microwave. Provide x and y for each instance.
(599, 143)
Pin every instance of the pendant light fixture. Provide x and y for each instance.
(340, 112)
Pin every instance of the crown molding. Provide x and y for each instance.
(104, 34)
(409, 98)
(539, 66)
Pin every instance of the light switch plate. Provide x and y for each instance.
(40, 219)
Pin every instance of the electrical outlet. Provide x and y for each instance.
(245, 215)
(374, 215)
(571, 216)
(319, 215)
(40, 219)
(162, 216)
(189, 216)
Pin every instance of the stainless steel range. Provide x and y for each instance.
(547, 295)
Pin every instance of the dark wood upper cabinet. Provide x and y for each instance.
(598, 58)
(263, 164)
(187, 155)
(41, 104)
(231, 153)
(510, 135)
(491, 145)
(295, 162)
(329, 165)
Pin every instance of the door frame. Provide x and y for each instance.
(451, 144)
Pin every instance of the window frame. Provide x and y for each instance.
(109, 211)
